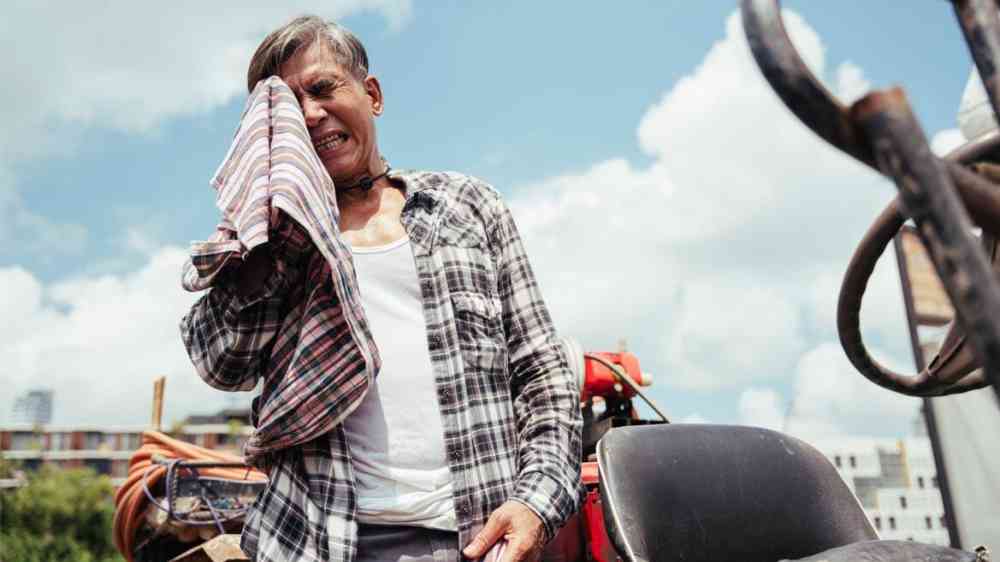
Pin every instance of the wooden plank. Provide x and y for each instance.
(223, 548)
(930, 301)
(158, 385)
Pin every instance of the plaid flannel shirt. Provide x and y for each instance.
(509, 405)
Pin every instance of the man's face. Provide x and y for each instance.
(339, 110)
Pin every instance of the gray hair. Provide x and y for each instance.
(282, 43)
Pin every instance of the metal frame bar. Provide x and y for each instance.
(930, 420)
(980, 23)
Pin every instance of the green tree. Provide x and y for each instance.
(8, 468)
(58, 515)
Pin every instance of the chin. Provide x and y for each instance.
(339, 174)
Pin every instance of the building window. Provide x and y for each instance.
(878, 523)
(836, 461)
(93, 441)
(132, 441)
(943, 522)
(23, 441)
(892, 523)
(902, 502)
(927, 522)
(920, 482)
(934, 481)
(853, 461)
(61, 441)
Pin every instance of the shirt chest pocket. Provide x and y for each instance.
(477, 319)
(481, 340)
(462, 254)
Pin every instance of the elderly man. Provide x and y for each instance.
(469, 437)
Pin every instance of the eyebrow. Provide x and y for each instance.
(327, 74)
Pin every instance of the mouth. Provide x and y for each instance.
(330, 142)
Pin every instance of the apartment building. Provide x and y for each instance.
(107, 449)
(896, 483)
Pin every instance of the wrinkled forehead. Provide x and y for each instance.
(311, 62)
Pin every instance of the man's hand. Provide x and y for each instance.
(519, 526)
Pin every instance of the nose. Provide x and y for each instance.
(313, 112)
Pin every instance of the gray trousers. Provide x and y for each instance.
(399, 543)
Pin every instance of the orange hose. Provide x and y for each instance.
(131, 501)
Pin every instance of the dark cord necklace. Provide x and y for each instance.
(365, 184)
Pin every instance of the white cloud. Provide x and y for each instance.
(851, 82)
(129, 67)
(140, 239)
(883, 315)
(947, 140)
(21, 299)
(100, 341)
(593, 240)
(727, 335)
(692, 418)
(23, 231)
(762, 407)
(714, 253)
(831, 398)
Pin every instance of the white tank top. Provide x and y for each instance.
(395, 436)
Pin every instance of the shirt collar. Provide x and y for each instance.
(422, 208)
(419, 188)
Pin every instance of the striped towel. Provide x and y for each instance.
(271, 166)
(271, 175)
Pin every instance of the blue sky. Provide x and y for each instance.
(607, 126)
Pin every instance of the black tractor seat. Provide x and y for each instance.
(891, 551)
(716, 493)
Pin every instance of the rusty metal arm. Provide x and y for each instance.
(817, 108)
(795, 84)
(927, 192)
(980, 23)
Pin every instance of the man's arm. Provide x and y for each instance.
(546, 397)
(546, 407)
(229, 329)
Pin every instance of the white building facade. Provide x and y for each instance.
(896, 483)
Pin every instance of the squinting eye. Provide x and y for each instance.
(321, 89)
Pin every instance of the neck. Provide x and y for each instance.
(363, 188)
(363, 198)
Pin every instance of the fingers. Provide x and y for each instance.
(519, 549)
(495, 528)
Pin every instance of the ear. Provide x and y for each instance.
(374, 91)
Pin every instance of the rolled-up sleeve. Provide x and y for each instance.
(228, 337)
(546, 397)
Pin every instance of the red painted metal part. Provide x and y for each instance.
(600, 381)
(599, 547)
